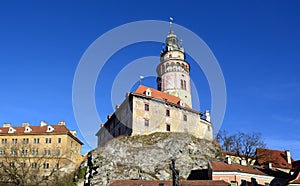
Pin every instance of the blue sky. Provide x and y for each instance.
(256, 44)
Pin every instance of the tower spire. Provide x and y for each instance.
(171, 22)
(173, 71)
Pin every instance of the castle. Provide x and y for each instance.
(165, 109)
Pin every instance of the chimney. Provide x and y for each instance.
(207, 115)
(243, 162)
(228, 160)
(73, 132)
(117, 106)
(62, 123)
(102, 124)
(6, 125)
(127, 94)
(25, 124)
(288, 156)
(108, 116)
(43, 123)
(269, 165)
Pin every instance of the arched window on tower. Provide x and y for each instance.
(167, 67)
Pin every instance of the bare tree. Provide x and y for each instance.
(23, 164)
(242, 144)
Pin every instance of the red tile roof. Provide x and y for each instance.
(225, 167)
(168, 183)
(35, 129)
(159, 95)
(20, 130)
(278, 158)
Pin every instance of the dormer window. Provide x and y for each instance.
(11, 130)
(181, 103)
(50, 129)
(27, 129)
(148, 92)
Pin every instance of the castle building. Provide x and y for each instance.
(40, 150)
(165, 109)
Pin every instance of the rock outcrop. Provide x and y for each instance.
(148, 157)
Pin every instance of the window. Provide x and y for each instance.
(183, 84)
(4, 141)
(35, 152)
(58, 152)
(25, 140)
(14, 141)
(71, 143)
(147, 107)
(13, 152)
(11, 164)
(2, 152)
(267, 184)
(168, 128)
(59, 140)
(47, 140)
(57, 166)
(168, 112)
(36, 140)
(47, 152)
(34, 165)
(233, 183)
(254, 182)
(146, 122)
(184, 117)
(208, 128)
(22, 164)
(24, 152)
(46, 166)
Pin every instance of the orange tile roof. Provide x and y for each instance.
(159, 95)
(225, 167)
(168, 183)
(276, 157)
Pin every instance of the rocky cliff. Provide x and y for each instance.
(147, 157)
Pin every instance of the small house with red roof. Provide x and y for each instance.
(275, 159)
(237, 174)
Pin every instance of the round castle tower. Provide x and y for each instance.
(173, 72)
